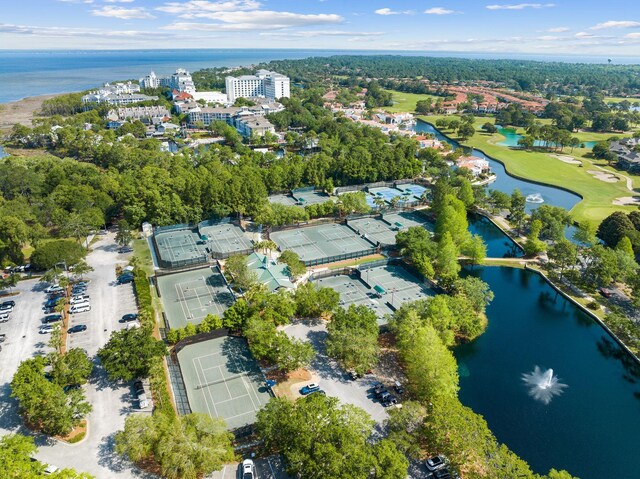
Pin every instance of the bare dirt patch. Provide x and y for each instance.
(567, 159)
(627, 200)
(604, 176)
(289, 384)
(21, 111)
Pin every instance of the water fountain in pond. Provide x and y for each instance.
(534, 198)
(543, 386)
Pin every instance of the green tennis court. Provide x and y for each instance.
(375, 230)
(179, 247)
(190, 296)
(224, 239)
(323, 243)
(223, 380)
(397, 284)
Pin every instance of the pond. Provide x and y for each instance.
(498, 244)
(591, 428)
(2, 152)
(511, 139)
(507, 183)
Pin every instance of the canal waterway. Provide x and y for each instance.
(591, 429)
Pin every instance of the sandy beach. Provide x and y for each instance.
(21, 111)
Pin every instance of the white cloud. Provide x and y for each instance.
(520, 6)
(388, 11)
(616, 24)
(548, 38)
(69, 31)
(257, 19)
(635, 35)
(122, 13)
(439, 11)
(118, 1)
(558, 29)
(202, 6)
(322, 33)
(76, 1)
(584, 35)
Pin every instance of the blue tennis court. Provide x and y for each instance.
(415, 190)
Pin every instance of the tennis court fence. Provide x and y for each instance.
(198, 338)
(339, 257)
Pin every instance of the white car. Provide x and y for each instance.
(50, 469)
(79, 299)
(6, 308)
(46, 329)
(54, 288)
(4, 317)
(248, 469)
(80, 308)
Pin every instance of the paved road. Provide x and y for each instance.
(332, 378)
(111, 403)
(266, 468)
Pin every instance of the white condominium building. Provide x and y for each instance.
(264, 83)
(181, 80)
(150, 81)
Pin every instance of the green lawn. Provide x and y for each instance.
(618, 99)
(597, 195)
(141, 250)
(406, 102)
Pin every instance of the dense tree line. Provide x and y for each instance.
(518, 74)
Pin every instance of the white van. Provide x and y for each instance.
(80, 308)
(79, 299)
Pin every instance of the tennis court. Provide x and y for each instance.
(386, 193)
(309, 196)
(224, 239)
(406, 219)
(375, 230)
(394, 284)
(415, 190)
(177, 248)
(323, 243)
(286, 200)
(190, 296)
(223, 380)
(353, 291)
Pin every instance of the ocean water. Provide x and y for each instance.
(26, 73)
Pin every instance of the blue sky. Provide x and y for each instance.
(581, 27)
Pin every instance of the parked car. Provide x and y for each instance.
(248, 469)
(353, 375)
(50, 469)
(3, 338)
(129, 317)
(53, 289)
(51, 303)
(125, 249)
(388, 399)
(80, 308)
(8, 303)
(6, 308)
(79, 299)
(138, 387)
(124, 279)
(52, 318)
(46, 329)
(4, 317)
(436, 462)
(443, 473)
(398, 387)
(77, 328)
(309, 388)
(607, 293)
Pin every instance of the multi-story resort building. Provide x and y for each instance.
(264, 84)
(247, 120)
(150, 81)
(146, 114)
(116, 94)
(180, 80)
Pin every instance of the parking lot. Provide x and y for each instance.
(266, 468)
(111, 403)
(331, 377)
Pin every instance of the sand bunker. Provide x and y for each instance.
(627, 200)
(603, 176)
(567, 159)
